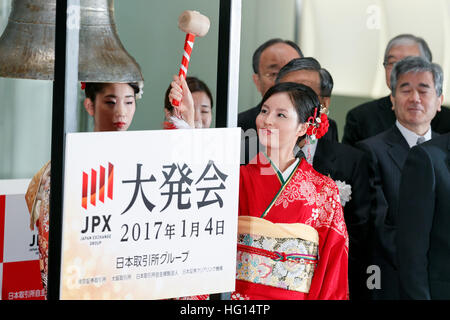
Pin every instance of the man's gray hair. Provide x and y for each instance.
(309, 63)
(417, 64)
(408, 39)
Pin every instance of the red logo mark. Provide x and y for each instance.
(101, 186)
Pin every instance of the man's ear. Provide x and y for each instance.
(326, 102)
(441, 99)
(392, 101)
(256, 82)
(89, 106)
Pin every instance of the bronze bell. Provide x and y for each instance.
(27, 44)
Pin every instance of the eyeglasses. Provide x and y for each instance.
(389, 64)
(270, 75)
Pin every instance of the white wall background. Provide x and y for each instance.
(349, 37)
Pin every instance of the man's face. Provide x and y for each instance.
(398, 53)
(310, 78)
(271, 61)
(416, 102)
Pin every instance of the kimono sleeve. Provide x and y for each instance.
(31, 194)
(330, 280)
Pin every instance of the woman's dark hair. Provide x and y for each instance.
(304, 99)
(195, 85)
(93, 88)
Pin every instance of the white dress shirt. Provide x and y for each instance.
(411, 137)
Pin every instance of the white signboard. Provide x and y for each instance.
(150, 214)
(21, 242)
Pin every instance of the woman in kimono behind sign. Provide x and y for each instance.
(112, 105)
(293, 241)
(203, 104)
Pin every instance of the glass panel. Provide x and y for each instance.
(261, 21)
(25, 124)
(149, 32)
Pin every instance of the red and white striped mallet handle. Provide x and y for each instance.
(194, 24)
(188, 46)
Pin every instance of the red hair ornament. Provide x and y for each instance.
(317, 126)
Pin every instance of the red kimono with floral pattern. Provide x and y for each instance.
(293, 241)
(37, 198)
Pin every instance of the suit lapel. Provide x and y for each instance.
(399, 148)
(448, 151)
(385, 113)
(324, 157)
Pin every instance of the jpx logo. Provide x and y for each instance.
(105, 186)
(91, 191)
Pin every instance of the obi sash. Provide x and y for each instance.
(281, 255)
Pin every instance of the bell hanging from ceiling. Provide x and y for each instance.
(27, 44)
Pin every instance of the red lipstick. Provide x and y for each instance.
(119, 124)
(266, 131)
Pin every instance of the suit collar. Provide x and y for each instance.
(411, 137)
(448, 139)
(448, 152)
(398, 147)
(394, 137)
(324, 158)
(398, 138)
(385, 103)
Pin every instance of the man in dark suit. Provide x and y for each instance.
(342, 163)
(416, 86)
(267, 60)
(423, 237)
(374, 117)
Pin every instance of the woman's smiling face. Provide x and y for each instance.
(278, 123)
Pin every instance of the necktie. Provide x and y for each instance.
(420, 140)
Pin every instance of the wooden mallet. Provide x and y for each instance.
(194, 24)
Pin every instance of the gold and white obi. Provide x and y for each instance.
(282, 255)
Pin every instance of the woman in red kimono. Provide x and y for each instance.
(292, 238)
(112, 105)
